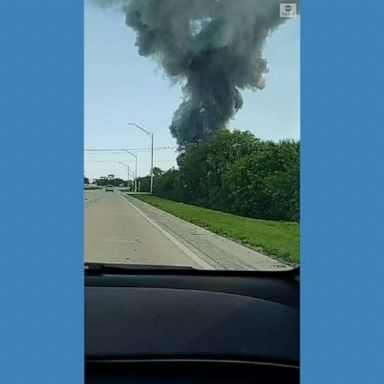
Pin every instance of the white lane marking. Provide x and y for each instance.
(186, 250)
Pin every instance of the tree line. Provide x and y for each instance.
(236, 173)
(111, 180)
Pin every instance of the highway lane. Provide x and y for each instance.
(117, 232)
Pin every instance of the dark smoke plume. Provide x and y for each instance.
(212, 47)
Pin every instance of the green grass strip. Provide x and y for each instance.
(275, 238)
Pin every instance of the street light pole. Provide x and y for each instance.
(151, 135)
(127, 166)
(135, 156)
(151, 187)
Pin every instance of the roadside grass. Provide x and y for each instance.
(91, 188)
(274, 238)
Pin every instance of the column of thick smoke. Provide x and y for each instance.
(213, 47)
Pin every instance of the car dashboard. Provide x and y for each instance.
(187, 326)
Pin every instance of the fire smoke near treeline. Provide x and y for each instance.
(214, 48)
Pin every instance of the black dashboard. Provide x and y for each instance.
(184, 326)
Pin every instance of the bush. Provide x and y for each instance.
(240, 174)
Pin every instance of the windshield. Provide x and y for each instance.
(192, 133)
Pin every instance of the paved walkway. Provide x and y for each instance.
(215, 250)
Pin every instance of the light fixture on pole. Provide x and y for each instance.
(135, 156)
(127, 166)
(150, 134)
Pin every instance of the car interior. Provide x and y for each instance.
(153, 324)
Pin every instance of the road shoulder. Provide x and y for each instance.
(216, 250)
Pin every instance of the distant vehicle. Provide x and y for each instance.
(109, 188)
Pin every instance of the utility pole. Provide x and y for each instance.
(151, 187)
(128, 172)
(135, 156)
(151, 135)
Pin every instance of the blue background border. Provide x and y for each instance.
(342, 192)
(41, 136)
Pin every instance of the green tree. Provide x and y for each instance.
(266, 183)
(238, 173)
(205, 164)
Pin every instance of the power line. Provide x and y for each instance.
(119, 150)
(104, 153)
(130, 161)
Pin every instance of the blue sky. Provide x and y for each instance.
(120, 86)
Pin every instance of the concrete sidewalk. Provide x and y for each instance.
(219, 252)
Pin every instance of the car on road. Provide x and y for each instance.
(109, 188)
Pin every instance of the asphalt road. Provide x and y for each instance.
(115, 231)
(122, 229)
